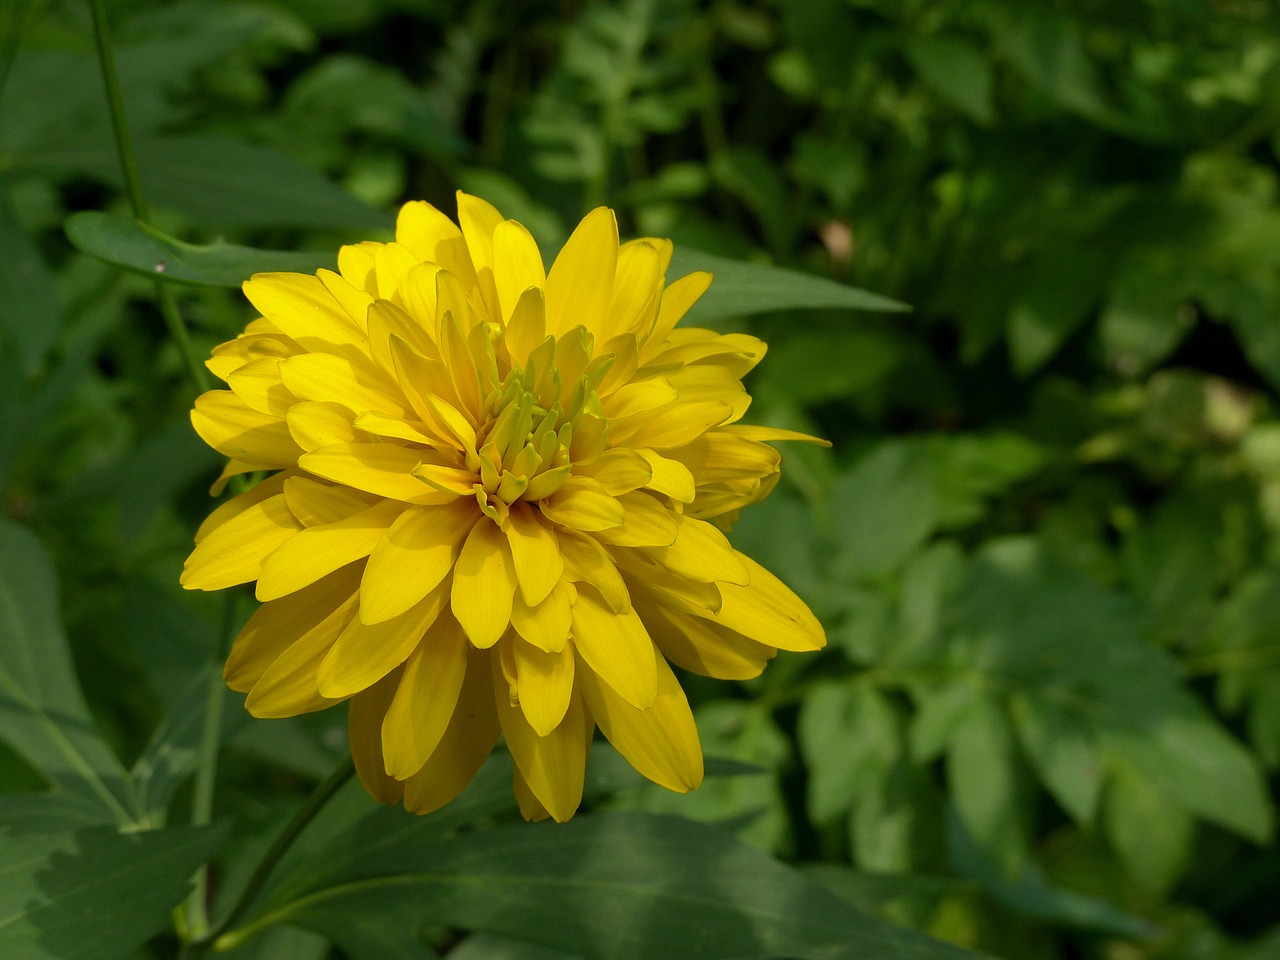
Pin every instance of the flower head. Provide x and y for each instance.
(490, 506)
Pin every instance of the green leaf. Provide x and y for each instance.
(612, 886)
(220, 182)
(983, 778)
(93, 894)
(956, 70)
(32, 315)
(53, 811)
(741, 289)
(882, 509)
(126, 243)
(42, 711)
(1063, 751)
(1152, 835)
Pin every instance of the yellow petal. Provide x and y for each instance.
(364, 734)
(381, 468)
(432, 236)
(547, 625)
(753, 432)
(258, 384)
(316, 425)
(669, 476)
(517, 264)
(225, 423)
(235, 551)
(352, 299)
(674, 425)
(648, 523)
(425, 699)
(386, 320)
(701, 552)
(390, 264)
(660, 742)
(356, 265)
(769, 612)
(553, 766)
(323, 377)
(677, 298)
(705, 647)
(527, 326)
(530, 807)
(618, 471)
(586, 561)
(616, 647)
(719, 456)
(413, 558)
(478, 220)
(483, 581)
(466, 743)
(270, 487)
(535, 552)
(277, 625)
(301, 307)
(633, 305)
(365, 653)
(315, 503)
(318, 551)
(288, 687)
(580, 283)
(544, 684)
(580, 503)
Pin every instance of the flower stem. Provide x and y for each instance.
(201, 944)
(197, 914)
(133, 188)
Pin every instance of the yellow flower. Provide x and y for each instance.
(490, 506)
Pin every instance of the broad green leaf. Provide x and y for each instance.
(483, 946)
(741, 289)
(220, 182)
(850, 738)
(984, 784)
(126, 243)
(93, 894)
(49, 812)
(1063, 751)
(1031, 893)
(32, 315)
(1152, 835)
(173, 753)
(882, 509)
(42, 711)
(612, 886)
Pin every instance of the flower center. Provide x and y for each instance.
(540, 419)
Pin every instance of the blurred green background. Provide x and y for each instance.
(1044, 543)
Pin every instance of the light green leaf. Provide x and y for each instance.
(93, 894)
(882, 509)
(1063, 751)
(1151, 834)
(42, 712)
(983, 780)
(615, 885)
(741, 289)
(126, 243)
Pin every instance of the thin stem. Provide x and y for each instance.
(197, 915)
(200, 946)
(111, 80)
(133, 187)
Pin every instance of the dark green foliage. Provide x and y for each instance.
(1044, 543)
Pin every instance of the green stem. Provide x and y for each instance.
(111, 80)
(197, 912)
(201, 945)
(133, 187)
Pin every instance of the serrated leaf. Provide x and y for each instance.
(127, 243)
(614, 886)
(983, 779)
(742, 289)
(42, 711)
(93, 894)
